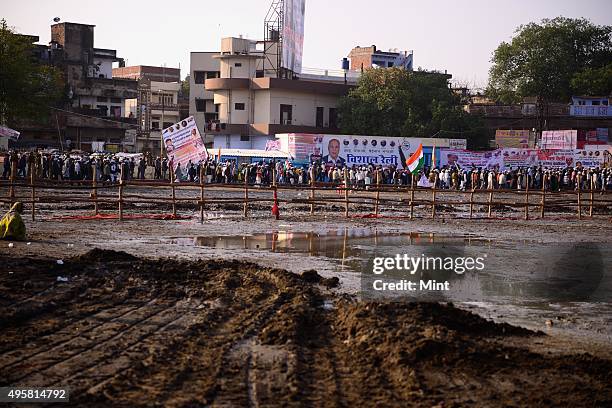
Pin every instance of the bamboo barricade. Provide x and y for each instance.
(579, 196)
(312, 190)
(543, 203)
(472, 201)
(527, 197)
(246, 195)
(592, 197)
(412, 196)
(433, 197)
(13, 176)
(377, 193)
(171, 168)
(32, 179)
(94, 191)
(121, 181)
(346, 193)
(202, 173)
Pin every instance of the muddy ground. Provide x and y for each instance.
(127, 331)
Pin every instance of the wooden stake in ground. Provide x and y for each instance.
(202, 173)
(544, 179)
(173, 190)
(527, 197)
(433, 196)
(246, 196)
(411, 196)
(579, 197)
(121, 181)
(94, 192)
(13, 175)
(346, 193)
(490, 203)
(472, 201)
(32, 179)
(377, 192)
(312, 190)
(592, 197)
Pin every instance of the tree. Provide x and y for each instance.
(550, 60)
(396, 102)
(27, 88)
(185, 86)
(593, 81)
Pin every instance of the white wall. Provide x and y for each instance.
(304, 107)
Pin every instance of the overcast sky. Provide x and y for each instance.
(458, 36)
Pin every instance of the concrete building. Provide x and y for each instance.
(203, 66)
(156, 74)
(370, 57)
(164, 110)
(253, 105)
(94, 111)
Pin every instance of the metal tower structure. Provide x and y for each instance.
(273, 39)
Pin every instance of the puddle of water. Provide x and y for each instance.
(523, 282)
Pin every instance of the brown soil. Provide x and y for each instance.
(125, 331)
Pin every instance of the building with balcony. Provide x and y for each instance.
(94, 111)
(370, 57)
(156, 74)
(252, 105)
(203, 66)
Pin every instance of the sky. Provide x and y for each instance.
(457, 36)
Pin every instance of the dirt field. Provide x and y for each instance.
(126, 331)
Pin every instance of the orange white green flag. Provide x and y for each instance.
(415, 162)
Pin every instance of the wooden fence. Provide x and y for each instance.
(378, 197)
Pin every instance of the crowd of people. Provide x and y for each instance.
(111, 167)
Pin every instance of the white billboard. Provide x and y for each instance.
(293, 34)
(183, 143)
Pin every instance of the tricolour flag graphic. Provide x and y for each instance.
(415, 162)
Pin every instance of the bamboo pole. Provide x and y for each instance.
(411, 196)
(32, 179)
(527, 197)
(490, 203)
(433, 197)
(121, 182)
(592, 197)
(346, 194)
(472, 201)
(377, 192)
(94, 192)
(246, 196)
(579, 197)
(543, 196)
(171, 169)
(202, 172)
(13, 176)
(312, 190)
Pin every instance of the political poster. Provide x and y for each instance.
(512, 138)
(183, 143)
(293, 34)
(350, 150)
(468, 159)
(559, 139)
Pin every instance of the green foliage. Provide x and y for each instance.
(27, 88)
(184, 91)
(396, 102)
(550, 60)
(593, 81)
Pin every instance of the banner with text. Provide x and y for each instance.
(559, 139)
(184, 143)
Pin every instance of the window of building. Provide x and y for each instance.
(259, 73)
(103, 109)
(200, 105)
(210, 117)
(286, 114)
(238, 64)
(605, 103)
(213, 74)
(217, 107)
(101, 99)
(239, 106)
(199, 77)
(319, 118)
(389, 64)
(333, 118)
(595, 103)
(115, 100)
(244, 138)
(155, 125)
(168, 124)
